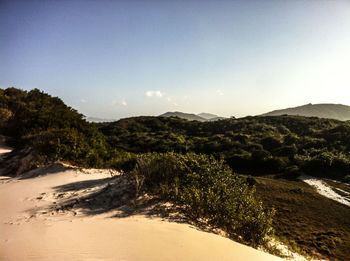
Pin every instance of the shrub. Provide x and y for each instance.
(208, 190)
(122, 160)
(347, 178)
(270, 143)
(69, 145)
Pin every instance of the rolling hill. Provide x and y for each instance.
(97, 119)
(207, 116)
(330, 111)
(193, 117)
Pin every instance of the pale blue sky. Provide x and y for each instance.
(116, 59)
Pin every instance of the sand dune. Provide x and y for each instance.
(4, 149)
(31, 229)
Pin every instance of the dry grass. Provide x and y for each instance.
(305, 220)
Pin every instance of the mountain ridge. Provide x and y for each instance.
(98, 119)
(193, 117)
(321, 110)
(207, 116)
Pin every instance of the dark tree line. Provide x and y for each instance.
(254, 145)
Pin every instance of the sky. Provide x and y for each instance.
(116, 59)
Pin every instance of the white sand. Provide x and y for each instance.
(26, 233)
(4, 149)
(324, 190)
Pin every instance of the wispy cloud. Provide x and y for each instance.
(83, 100)
(162, 95)
(219, 92)
(116, 102)
(157, 94)
(170, 100)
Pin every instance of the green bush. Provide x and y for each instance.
(208, 190)
(347, 178)
(121, 160)
(69, 145)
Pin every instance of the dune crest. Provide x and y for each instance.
(32, 229)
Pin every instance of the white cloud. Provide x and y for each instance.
(170, 100)
(116, 102)
(83, 100)
(219, 92)
(157, 94)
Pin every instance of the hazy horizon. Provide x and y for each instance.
(116, 59)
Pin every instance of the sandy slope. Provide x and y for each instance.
(324, 190)
(29, 230)
(4, 149)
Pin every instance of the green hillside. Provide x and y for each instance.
(328, 111)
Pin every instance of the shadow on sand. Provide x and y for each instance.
(115, 195)
(46, 170)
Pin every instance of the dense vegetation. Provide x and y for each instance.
(251, 145)
(52, 129)
(208, 190)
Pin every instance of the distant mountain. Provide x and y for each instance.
(330, 111)
(207, 116)
(96, 119)
(193, 117)
(217, 118)
(187, 116)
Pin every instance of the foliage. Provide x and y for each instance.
(208, 190)
(83, 149)
(347, 178)
(251, 145)
(121, 160)
(35, 111)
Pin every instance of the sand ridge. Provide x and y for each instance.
(33, 228)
